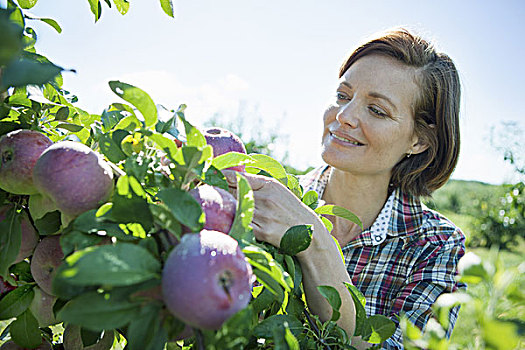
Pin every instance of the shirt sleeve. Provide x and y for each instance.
(433, 274)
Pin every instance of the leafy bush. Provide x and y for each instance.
(103, 269)
(492, 310)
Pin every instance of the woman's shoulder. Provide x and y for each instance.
(315, 179)
(439, 229)
(424, 225)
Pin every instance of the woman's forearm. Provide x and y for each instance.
(322, 265)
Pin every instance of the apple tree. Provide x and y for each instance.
(114, 229)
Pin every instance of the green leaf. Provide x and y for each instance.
(122, 6)
(49, 223)
(146, 332)
(294, 186)
(27, 4)
(62, 113)
(194, 136)
(328, 224)
(311, 199)
(165, 218)
(10, 37)
(138, 98)
(29, 71)
(334, 299)
(244, 213)
(25, 332)
(382, 328)
(296, 239)
(165, 144)
(76, 240)
(262, 260)
(52, 23)
(271, 166)
(96, 9)
(10, 240)
(167, 7)
(48, 21)
(360, 313)
(231, 159)
(129, 123)
(130, 204)
(263, 300)
(110, 118)
(265, 328)
(295, 306)
(110, 145)
(339, 211)
(183, 207)
(70, 127)
(290, 339)
(90, 222)
(500, 334)
(16, 302)
(122, 264)
(214, 177)
(98, 311)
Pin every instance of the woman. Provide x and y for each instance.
(391, 135)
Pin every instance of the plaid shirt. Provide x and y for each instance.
(404, 261)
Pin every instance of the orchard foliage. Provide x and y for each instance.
(97, 273)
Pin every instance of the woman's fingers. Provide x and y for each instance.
(256, 181)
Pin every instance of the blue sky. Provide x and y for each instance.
(275, 62)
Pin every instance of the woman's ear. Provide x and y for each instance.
(420, 143)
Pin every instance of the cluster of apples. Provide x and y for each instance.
(66, 176)
(206, 278)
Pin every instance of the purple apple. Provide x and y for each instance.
(224, 141)
(47, 257)
(19, 150)
(29, 234)
(206, 279)
(219, 207)
(74, 177)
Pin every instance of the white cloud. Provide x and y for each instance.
(203, 101)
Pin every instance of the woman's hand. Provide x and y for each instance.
(276, 208)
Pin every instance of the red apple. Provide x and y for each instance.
(74, 177)
(219, 207)
(206, 279)
(46, 258)
(29, 234)
(19, 151)
(224, 141)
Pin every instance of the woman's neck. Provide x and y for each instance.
(364, 196)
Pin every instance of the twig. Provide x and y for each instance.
(314, 326)
(200, 339)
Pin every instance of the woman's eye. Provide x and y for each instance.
(377, 111)
(342, 96)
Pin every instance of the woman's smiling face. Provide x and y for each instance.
(369, 125)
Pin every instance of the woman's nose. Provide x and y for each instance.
(348, 114)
